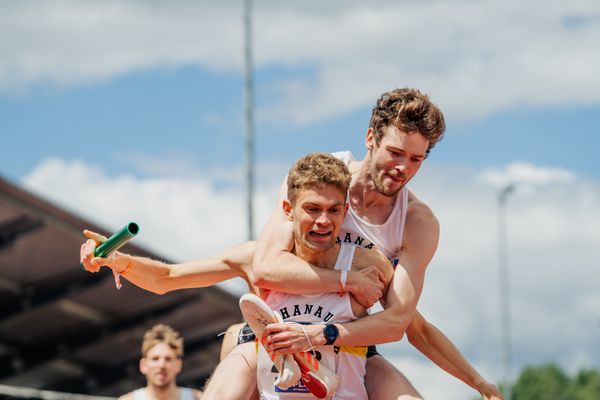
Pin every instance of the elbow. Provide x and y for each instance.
(417, 332)
(159, 286)
(414, 339)
(160, 291)
(261, 275)
(260, 278)
(398, 336)
(156, 289)
(394, 332)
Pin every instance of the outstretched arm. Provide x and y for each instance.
(438, 348)
(160, 277)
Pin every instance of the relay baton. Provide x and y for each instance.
(118, 240)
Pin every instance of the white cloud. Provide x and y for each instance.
(476, 58)
(69, 42)
(182, 218)
(553, 256)
(523, 173)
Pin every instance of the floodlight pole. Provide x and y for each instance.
(504, 289)
(249, 116)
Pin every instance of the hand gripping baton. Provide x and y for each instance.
(118, 240)
(114, 243)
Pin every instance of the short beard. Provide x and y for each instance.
(379, 184)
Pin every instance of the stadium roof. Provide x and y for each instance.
(68, 330)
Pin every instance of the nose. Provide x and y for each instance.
(323, 219)
(162, 362)
(401, 167)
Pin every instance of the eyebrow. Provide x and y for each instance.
(394, 148)
(340, 204)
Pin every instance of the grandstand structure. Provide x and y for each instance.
(64, 330)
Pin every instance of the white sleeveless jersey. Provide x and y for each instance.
(348, 362)
(387, 237)
(185, 394)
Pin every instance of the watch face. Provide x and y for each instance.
(331, 333)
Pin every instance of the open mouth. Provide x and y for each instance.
(316, 234)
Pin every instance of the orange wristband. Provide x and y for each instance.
(128, 267)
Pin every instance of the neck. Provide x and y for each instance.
(170, 392)
(318, 258)
(362, 189)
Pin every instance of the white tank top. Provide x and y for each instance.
(323, 308)
(387, 237)
(185, 394)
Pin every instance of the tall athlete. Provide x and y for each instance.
(404, 127)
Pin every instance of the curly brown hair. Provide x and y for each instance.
(409, 110)
(162, 333)
(317, 170)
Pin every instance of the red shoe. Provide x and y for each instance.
(320, 380)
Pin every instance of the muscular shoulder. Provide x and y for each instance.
(420, 218)
(421, 229)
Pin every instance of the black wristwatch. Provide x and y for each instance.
(331, 333)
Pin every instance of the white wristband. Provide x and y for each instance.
(343, 278)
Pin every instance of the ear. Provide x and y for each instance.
(287, 209)
(370, 140)
(178, 366)
(346, 205)
(143, 366)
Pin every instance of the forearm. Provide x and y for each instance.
(290, 274)
(162, 278)
(438, 348)
(382, 327)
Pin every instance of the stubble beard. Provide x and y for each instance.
(378, 182)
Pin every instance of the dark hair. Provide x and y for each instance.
(409, 110)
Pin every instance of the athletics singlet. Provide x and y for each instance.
(387, 237)
(323, 308)
(185, 394)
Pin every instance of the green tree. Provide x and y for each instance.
(585, 385)
(547, 382)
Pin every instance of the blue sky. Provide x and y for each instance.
(117, 109)
(194, 113)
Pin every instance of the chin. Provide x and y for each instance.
(391, 190)
(320, 246)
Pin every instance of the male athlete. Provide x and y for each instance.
(162, 350)
(404, 127)
(316, 205)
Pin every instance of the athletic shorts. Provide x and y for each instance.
(246, 335)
